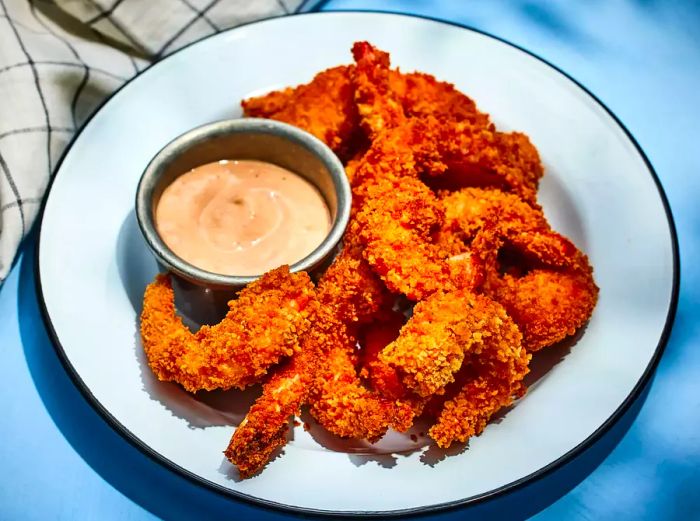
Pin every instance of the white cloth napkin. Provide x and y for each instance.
(60, 59)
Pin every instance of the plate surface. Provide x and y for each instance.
(598, 189)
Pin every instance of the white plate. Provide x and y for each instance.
(598, 189)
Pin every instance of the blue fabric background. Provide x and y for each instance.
(59, 460)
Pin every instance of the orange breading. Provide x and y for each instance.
(445, 328)
(544, 282)
(478, 156)
(382, 377)
(402, 152)
(351, 294)
(377, 105)
(343, 406)
(262, 326)
(264, 428)
(421, 95)
(349, 287)
(471, 209)
(324, 107)
(548, 305)
(539, 276)
(488, 385)
(445, 214)
(348, 293)
(395, 226)
(386, 98)
(374, 337)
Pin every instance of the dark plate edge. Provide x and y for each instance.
(470, 501)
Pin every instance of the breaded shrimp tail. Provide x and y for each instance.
(262, 326)
(264, 428)
(378, 107)
(325, 107)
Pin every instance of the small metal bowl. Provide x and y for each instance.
(246, 138)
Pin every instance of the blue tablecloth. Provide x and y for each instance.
(59, 460)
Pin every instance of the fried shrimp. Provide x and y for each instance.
(487, 385)
(544, 282)
(448, 276)
(395, 225)
(353, 292)
(324, 107)
(445, 328)
(477, 156)
(466, 148)
(378, 107)
(343, 406)
(374, 338)
(548, 305)
(265, 427)
(348, 293)
(352, 295)
(471, 209)
(421, 95)
(261, 328)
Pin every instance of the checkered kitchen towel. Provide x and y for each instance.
(59, 59)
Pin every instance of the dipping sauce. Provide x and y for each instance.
(241, 217)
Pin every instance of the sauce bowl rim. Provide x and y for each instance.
(156, 167)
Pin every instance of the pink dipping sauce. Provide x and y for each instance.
(241, 217)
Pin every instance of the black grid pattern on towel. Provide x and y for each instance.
(59, 59)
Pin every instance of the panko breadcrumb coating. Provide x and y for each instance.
(546, 285)
(340, 402)
(349, 293)
(265, 427)
(343, 406)
(324, 107)
(263, 326)
(350, 287)
(548, 305)
(421, 95)
(471, 209)
(478, 156)
(377, 105)
(444, 328)
(492, 383)
(395, 225)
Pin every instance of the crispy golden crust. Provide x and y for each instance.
(396, 224)
(490, 385)
(402, 152)
(478, 156)
(461, 356)
(547, 305)
(444, 328)
(545, 283)
(262, 326)
(348, 293)
(324, 107)
(374, 338)
(352, 291)
(351, 294)
(264, 428)
(343, 406)
(377, 105)
(539, 276)
(421, 95)
(469, 210)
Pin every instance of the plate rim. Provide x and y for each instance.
(426, 509)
